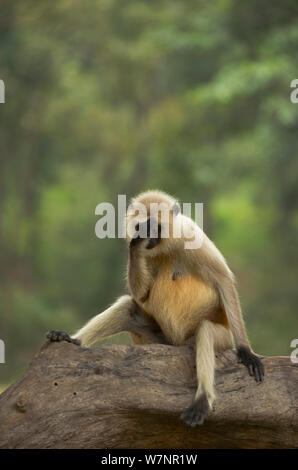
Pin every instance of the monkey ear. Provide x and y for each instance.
(176, 208)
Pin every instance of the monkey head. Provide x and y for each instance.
(150, 221)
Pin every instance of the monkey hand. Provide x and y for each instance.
(197, 412)
(138, 241)
(55, 335)
(252, 362)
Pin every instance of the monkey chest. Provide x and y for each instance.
(178, 304)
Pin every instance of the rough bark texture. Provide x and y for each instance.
(131, 397)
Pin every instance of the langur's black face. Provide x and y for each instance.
(149, 230)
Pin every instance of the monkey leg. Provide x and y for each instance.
(123, 315)
(210, 337)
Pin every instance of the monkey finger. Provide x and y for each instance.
(259, 371)
(262, 372)
(52, 335)
(135, 240)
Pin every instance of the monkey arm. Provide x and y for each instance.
(123, 315)
(209, 263)
(231, 303)
(225, 284)
(139, 276)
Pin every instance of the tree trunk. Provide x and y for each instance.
(131, 397)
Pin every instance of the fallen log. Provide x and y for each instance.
(131, 397)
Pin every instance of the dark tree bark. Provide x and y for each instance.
(131, 397)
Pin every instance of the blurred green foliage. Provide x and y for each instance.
(113, 97)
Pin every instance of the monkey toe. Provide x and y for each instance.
(197, 412)
(252, 362)
(55, 335)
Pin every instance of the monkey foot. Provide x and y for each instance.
(252, 362)
(197, 412)
(55, 335)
